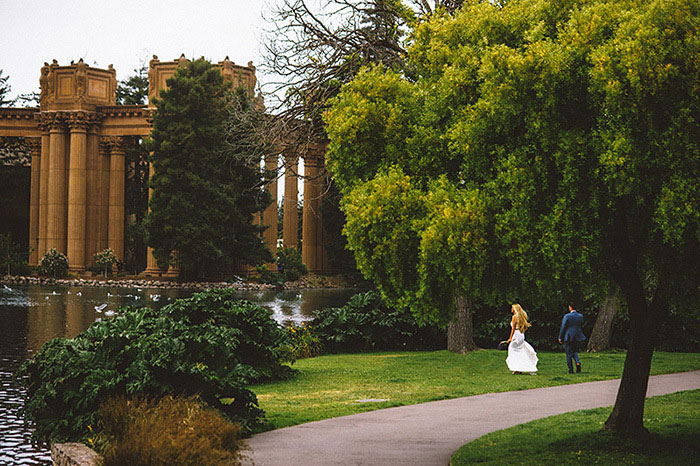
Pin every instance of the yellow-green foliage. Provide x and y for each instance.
(174, 430)
(303, 342)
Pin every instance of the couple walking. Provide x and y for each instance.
(522, 356)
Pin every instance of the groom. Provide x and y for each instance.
(571, 335)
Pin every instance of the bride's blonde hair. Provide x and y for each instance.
(520, 317)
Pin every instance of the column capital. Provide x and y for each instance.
(34, 145)
(315, 154)
(82, 121)
(112, 145)
(52, 121)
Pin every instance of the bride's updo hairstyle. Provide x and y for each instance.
(521, 322)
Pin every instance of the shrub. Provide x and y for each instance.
(366, 323)
(172, 430)
(105, 260)
(304, 343)
(289, 261)
(210, 344)
(54, 263)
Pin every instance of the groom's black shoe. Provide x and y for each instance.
(578, 367)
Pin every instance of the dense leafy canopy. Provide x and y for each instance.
(571, 131)
(560, 115)
(205, 191)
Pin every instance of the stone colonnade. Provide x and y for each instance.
(77, 189)
(77, 137)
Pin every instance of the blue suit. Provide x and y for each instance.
(571, 334)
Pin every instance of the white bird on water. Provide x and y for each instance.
(78, 293)
(7, 288)
(100, 307)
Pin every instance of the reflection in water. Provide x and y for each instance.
(33, 314)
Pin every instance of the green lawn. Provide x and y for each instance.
(576, 438)
(332, 385)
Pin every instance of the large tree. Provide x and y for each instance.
(575, 125)
(205, 190)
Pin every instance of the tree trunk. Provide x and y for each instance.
(645, 319)
(627, 414)
(460, 335)
(602, 330)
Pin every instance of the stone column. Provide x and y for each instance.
(35, 148)
(93, 181)
(152, 268)
(115, 234)
(77, 192)
(43, 191)
(270, 213)
(311, 213)
(290, 223)
(103, 194)
(56, 198)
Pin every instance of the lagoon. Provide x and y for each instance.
(32, 314)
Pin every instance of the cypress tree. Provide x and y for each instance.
(204, 190)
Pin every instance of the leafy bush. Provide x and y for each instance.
(366, 323)
(289, 261)
(54, 263)
(105, 260)
(210, 344)
(304, 343)
(173, 430)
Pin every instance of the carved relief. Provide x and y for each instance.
(44, 85)
(51, 82)
(152, 88)
(112, 96)
(81, 80)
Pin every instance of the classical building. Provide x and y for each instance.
(76, 137)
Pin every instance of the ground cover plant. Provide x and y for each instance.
(576, 438)
(332, 385)
(211, 345)
(143, 431)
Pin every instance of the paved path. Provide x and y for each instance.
(429, 433)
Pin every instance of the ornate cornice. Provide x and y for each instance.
(126, 111)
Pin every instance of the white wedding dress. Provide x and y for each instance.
(521, 355)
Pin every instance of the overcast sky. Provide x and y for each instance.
(124, 33)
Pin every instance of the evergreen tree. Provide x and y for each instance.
(205, 190)
(5, 101)
(134, 89)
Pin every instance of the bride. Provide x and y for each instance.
(521, 355)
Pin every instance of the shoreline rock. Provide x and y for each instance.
(307, 283)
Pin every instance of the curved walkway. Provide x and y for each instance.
(429, 433)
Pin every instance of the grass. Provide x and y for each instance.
(333, 385)
(576, 438)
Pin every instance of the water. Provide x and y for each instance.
(33, 314)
